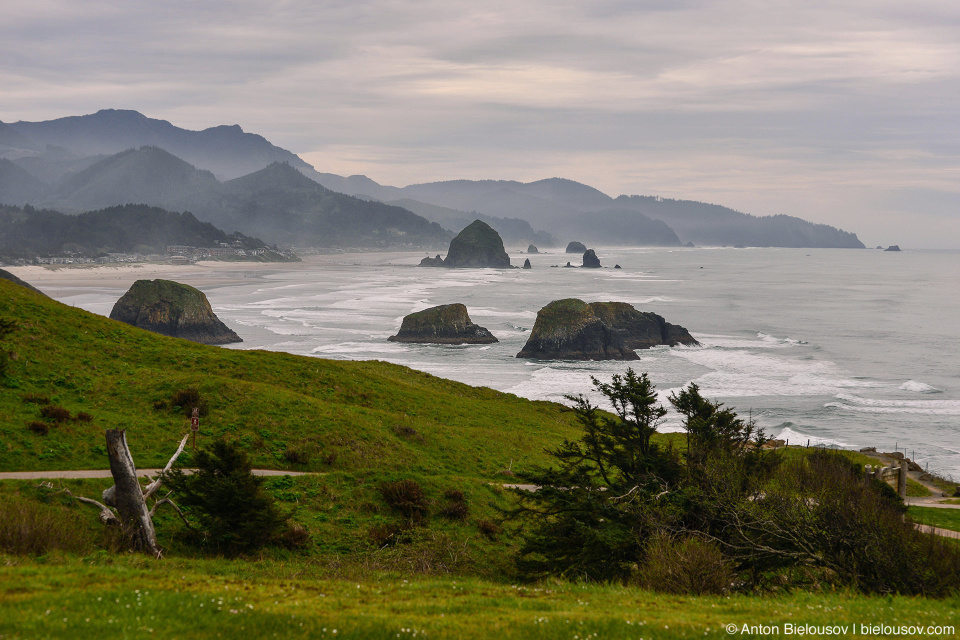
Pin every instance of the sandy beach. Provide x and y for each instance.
(62, 281)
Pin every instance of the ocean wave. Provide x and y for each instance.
(918, 387)
(870, 405)
(796, 437)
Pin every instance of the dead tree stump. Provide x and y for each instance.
(128, 497)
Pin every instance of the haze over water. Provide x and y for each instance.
(850, 347)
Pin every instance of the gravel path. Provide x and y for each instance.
(105, 473)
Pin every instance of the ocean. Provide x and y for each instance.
(849, 348)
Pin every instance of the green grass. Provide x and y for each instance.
(135, 596)
(916, 489)
(340, 415)
(943, 518)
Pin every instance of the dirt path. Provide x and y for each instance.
(105, 473)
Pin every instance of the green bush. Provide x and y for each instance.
(407, 498)
(235, 513)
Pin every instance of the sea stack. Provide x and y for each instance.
(477, 246)
(590, 259)
(445, 324)
(572, 329)
(526, 264)
(533, 249)
(576, 247)
(172, 309)
(893, 247)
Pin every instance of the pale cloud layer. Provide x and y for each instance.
(838, 112)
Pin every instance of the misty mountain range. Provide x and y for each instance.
(240, 181)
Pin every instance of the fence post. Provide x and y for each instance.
(902, 479)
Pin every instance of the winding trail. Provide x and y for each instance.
(105, 473)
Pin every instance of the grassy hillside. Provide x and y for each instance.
(291, 412)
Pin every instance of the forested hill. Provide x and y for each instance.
(26, 233)
(703, 223)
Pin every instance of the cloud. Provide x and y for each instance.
(791, 107)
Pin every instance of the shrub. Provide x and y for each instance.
(233, 509)
(293, 536)
(489, 528)
(55, 413)
(407, 498)
(456, 507)
(409, 433)
(685, 566)
(84, 417)
(34, 398)
(186, 400)
(40, 428)
(384, 534)
(28, 527)
(295, 455)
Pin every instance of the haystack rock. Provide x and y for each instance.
(446, 324)
(477, 246)
(172, 309)
(576, 247)
(572, 329)
(590, 259)
(533, 249)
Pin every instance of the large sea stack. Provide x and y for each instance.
(576, 247)
(590, 259)
(478, 245)
(172, 309)
(446, 324)
(572, 329)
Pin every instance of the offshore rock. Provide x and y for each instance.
(477, 246)
(446, 324)
(576, 247)
(526, 264)
(616, 266)
(590, 259)
(533, 249)
(432, 262)
(893, 247)
(172, 309)
(571, 329)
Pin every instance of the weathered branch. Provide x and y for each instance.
(170, 502)
(151, 488)
(109, 494)
(107, 516)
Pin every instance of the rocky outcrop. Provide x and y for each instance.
(572, 329)
(533, 249)
(172, 309)
(477, 246)
(576, 247)
(446, 324)
(6, 275)
(526, 264)
(590, 259)
(432, 262)
(893, 247)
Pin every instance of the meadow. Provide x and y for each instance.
(367, 572)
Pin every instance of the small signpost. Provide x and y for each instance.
(195, 425)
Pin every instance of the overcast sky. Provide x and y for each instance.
(846, 113)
